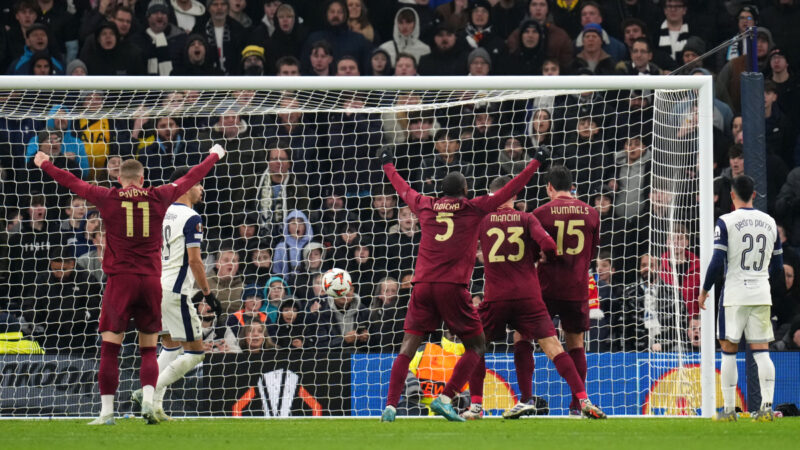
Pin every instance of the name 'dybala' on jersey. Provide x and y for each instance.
(752, 223)
(134, 193)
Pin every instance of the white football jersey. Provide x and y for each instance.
(182, 228)
(750, 238)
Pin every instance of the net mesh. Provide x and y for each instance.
(311, 156)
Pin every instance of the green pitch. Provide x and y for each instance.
(406, 434)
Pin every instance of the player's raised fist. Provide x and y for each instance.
(387, 155)
(218, 150)
(542, 154)
(40, 158)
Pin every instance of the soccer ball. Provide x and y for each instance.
(337, 282)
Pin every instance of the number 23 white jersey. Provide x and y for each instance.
(182, 228)
(750, 238)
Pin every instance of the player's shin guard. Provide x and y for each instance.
(523, 362)
(167, 355)
(148, 373)
(729, 377)
(461, 373)
(476, 382)
(566, 368)
(578, 356)
(766, 377)
(397, 380)
(108, 374)
(174, 372)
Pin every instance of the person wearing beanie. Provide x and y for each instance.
(253, 60)
(153, 40)
(479, 32)
(695, 48)
(746, 17)
(36, 41)
(529, 57)
(187, 13)
(76, 67)
(593, 57)
(196, 58)
(479, 62)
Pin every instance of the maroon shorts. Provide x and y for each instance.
(526, 316)
(131, 295)
(433, 302)
(574, 315)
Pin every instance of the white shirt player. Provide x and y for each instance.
(750, 238)
(182, 228)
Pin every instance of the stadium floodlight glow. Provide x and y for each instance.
(332, 129)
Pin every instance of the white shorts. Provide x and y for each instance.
(179, 317)
(753, 321)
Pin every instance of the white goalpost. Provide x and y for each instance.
(306, 149)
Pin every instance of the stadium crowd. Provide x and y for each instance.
(280, 212)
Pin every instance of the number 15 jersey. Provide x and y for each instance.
(182, 229)
(575, 226)
(750, 238)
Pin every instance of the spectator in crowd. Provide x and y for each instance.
(364, 270)
(615, 237)
(787, 86)
(286, 40)
(633, 28)
(76, 67)
(405, 37)
(782, 17)
(122, 16)
(226, 280)
(61, 23)
(278, 190)
(320, 59)
(297, 232)
(790, 340)
(163, 147)
(786, 299)
(343, 41)
(358, 20)
(383, 214)
(236, 11)
(71, 143)
(746, 17)
(379, 63)
(617, 13)
(641, 60)
(108, 176)
(567, 14)
(258, 268)
(339, 323)
(479, 31)
(454, 14)
(354, 138)
(107, 55)
(479, 62)
(347, 66)
(196, 59)
(787, 206)
(26, 13)
(584, 153)
(509, 160)
(679, 260)
(287, 332)
(386, 316)
(776, 178)
(35, 182)
(593, 58)
(313, 263)
(36, 42)
(631, 182)
(187, 13)
(649, 322)
(506, 16)
(540, 130)
(674, 31)
(92, 261)
(611, 304)
(728, 87)
(347, 237)
(153, 40)
(530, 56)
(559, 44)
(252, 311)
(253, 63)
(287, 66)
(331, 213)
(72, 225)
(253, 339)
(402, 242)
(406, 66)
(276, 291)
(63, 306)
(445, 58)
(247, 234)
(591, 14)
(446, 158)
(780, 133)
(40, 64)
(224, 35)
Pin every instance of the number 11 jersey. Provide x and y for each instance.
(575, 226)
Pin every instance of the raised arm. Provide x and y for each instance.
(491, 202)
(92, 193)
(174, 190)
(716, 268)
(404, 190)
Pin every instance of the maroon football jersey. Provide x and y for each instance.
(132, 217)
(575, 226)
(450, 227)
(511, 241)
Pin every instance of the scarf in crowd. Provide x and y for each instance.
(211, 37)
(475, 35)
(664, 42)
(266, 201)
(160, 63)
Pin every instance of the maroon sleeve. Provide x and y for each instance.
(170, 192)
(545, 241)
(94, 194)
(409, 195)
(596, 234)
(493, 201)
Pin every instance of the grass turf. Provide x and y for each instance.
(296, 434)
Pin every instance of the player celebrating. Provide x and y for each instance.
(744, 240)
(132, 216)
(576, 227)
(444, 265)
(182, 265)
(514, 241)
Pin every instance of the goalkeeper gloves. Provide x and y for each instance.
(542, 154)
(211, 300)
(218, 150)
(387, 155)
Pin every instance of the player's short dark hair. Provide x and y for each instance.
(560, 178)
(453, 184)
(178, 173)
(131, 169)
(743, 186)
(498, 183)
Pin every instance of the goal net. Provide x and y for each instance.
(301, 191)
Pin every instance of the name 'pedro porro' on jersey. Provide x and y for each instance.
(182, 228)
(750, 238)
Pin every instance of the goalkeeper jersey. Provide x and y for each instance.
(182, 229)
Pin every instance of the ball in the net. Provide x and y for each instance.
(336, 282)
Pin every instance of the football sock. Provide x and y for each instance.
(397, 379)
(167, 355)
(566, 368)
(476, 381)
(578, 356)
(461, 372)
(766, 377)
(523, 362)
(106, 404)
(148, 372)
(174, 372)
(108, 373)
(729, 377)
